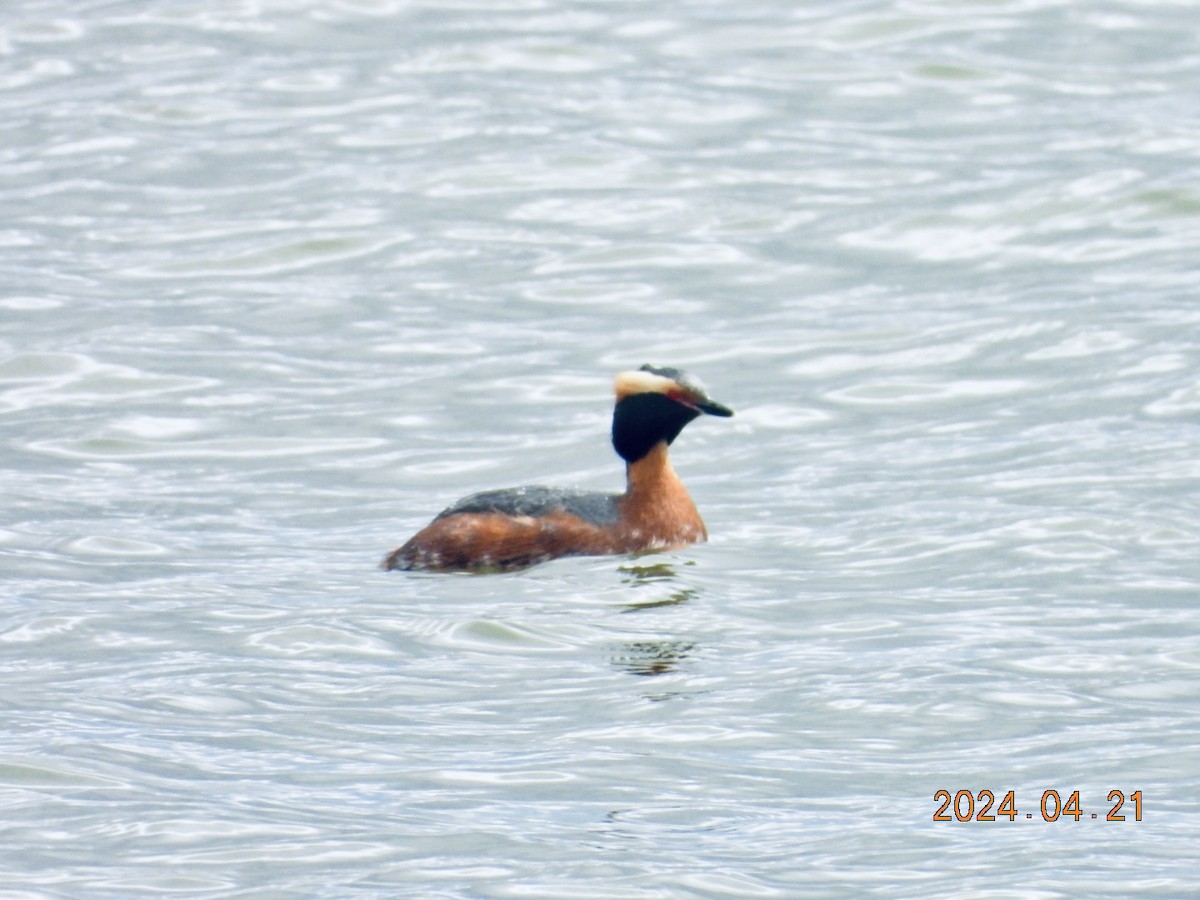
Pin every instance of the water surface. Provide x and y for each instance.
(283, 280)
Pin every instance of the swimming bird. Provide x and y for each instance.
(519, 527)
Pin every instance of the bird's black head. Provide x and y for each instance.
(653, 405)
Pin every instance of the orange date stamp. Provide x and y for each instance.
(981, 806)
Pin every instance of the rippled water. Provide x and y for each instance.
(280, 280)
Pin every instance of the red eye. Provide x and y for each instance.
(681, 398)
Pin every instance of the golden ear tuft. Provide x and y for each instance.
(629, 383)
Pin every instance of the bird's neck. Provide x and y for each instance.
(656, 500)
(652, 474)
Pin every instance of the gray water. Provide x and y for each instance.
(283, 279)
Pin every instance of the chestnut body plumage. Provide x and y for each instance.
(519, 527)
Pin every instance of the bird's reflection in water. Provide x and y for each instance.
(654, 575)
(652, 657)
(659, 583)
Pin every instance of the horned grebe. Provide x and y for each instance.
(518, 527)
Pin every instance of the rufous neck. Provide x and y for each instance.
(651, 472)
